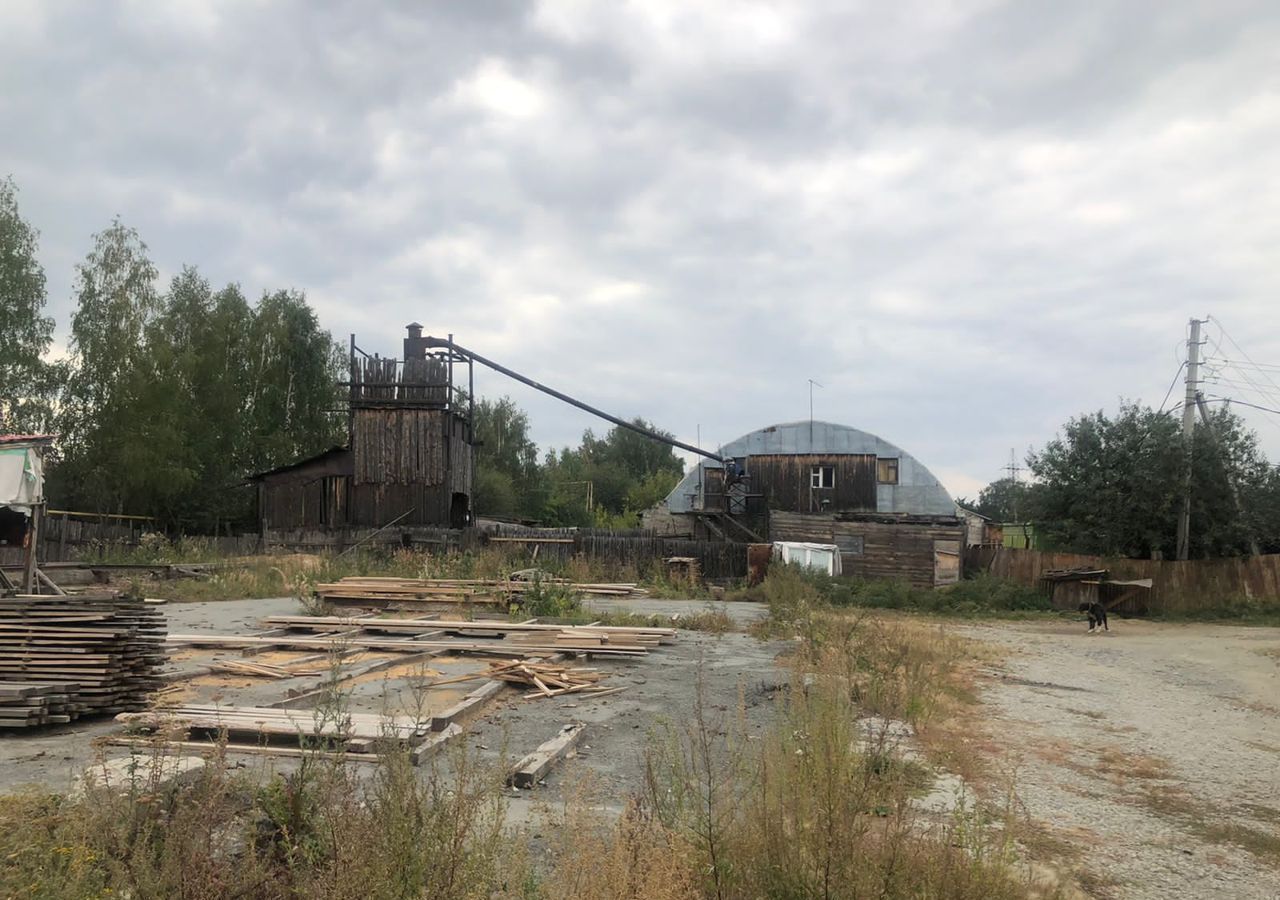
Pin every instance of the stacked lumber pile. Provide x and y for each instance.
(632, 640)
(258, 725)
(102, 650)
(385, 591)
(30, 704)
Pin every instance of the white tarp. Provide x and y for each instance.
(21, 478)
(823, 557)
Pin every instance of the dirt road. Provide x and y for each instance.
(1154, 749)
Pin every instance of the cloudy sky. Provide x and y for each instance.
(967, 220)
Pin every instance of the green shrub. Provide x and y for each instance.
(549, 599)
(790, 590)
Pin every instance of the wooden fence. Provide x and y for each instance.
(633, 550)
(637, 548)
(1177, 586)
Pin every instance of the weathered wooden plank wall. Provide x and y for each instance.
(1177, 586)
(381, 380)
(398, 446)
(784, 479)
(894, 550)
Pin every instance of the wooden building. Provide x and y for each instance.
(828, 483)
(409, 456)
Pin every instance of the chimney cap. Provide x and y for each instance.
(413, 326)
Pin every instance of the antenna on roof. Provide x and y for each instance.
(812, 385)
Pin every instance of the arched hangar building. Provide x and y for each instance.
(827, 483)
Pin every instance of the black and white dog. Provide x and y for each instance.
(1097, 616)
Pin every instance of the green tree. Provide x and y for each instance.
(1003, 500)
(507, 481)
(27, 382)
(628, 472)
(292, 404)
(1115, 485)
(190, 395)
(116, 302)
(1231, 500)
(1109, 485)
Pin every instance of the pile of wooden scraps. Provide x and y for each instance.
(260, 670)
(550, 679)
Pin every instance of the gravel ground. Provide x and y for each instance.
(733, 669)
(1133, 745)
(659, 687)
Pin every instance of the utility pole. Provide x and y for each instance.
(1013, 469)
(1188, 430)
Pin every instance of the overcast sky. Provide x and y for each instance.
(967, 221)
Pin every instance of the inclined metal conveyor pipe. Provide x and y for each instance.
(447, 344)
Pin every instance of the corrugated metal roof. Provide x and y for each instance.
(918, 491)
(297, 465)
(26, 438)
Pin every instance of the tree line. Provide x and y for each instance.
(170, 396)
(1113, 485)
(606, 481)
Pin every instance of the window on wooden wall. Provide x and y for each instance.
(887, 470)
(850, 544)
(822, 477)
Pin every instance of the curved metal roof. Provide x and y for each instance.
(918, 490)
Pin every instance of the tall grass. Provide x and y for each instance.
(297, 574)
(984, 595)
(810, 803)
(320, 831)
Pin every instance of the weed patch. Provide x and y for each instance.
(981, 596)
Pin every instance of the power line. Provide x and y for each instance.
(1270, 367)
(1172, 384)
(1220, 399)
(1219, 379)
(1244, 380)
(1246, 355)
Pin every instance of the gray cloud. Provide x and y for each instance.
(968, 223)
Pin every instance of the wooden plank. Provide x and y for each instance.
(530, 770)
(317, 690)
(254, 749)
(373, 622)
(493, 539)
(468, 706)
(433, 743)
(235, 642)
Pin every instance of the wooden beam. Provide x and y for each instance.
(236, 642)
(530, 770)
(373, 622)
(434, 743)
(467, 706)
(256, 749)
(530, 540)
(29, 582)
(314, 691)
